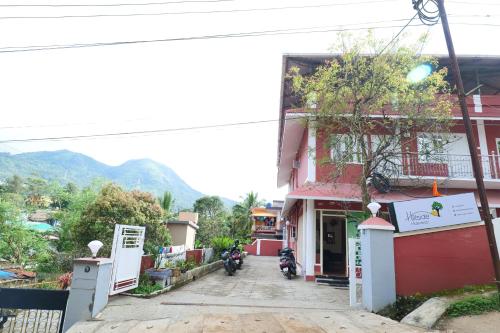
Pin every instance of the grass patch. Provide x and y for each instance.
(476, 289)
(403, 306)
(145, 289)
(474, 305)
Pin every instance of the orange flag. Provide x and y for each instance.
(435, 192)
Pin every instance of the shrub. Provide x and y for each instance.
(219, 244)
(403, 306)
(146, 286)
(474, 305)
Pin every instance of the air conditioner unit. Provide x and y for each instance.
(296, 164)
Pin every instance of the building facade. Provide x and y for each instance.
(323, 213)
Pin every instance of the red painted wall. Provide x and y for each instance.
(251, 248)
(195, 255)
(270, 247)
(436, 261)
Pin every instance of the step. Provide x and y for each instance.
(333, 281)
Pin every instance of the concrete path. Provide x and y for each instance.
(257, 299)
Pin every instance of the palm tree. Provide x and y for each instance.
(242, 212)
(167, 202)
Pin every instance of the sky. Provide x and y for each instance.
(187, 83)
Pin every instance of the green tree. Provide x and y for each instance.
(242, 214)
(114, 206)
(18, 244)
(212, 218)
(354, 95)
(14, 184)
(37, 192)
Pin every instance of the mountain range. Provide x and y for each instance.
(66, 166)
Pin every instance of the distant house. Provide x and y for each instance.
(266, 222)
(183, 230)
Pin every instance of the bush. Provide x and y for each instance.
(113, 206)
(403, 306)
(219, 244)
(474, 305)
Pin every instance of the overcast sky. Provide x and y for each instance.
(185, 83)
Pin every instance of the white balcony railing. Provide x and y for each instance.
(438, 165)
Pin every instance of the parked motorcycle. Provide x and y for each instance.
(236, 254)
(229, 264)
(287, 263)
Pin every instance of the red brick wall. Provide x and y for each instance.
(451, 259)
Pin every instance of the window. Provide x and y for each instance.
(345, 148)
(498, 146)
(429, 146)
(293, 232)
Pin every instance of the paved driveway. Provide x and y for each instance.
(257, 299)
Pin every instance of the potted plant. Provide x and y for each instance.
(160, 273)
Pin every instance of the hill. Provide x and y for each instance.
(67, 166)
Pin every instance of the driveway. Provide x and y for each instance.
(257, 299)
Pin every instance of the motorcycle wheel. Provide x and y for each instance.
(289, 274)
(239, 264)
(230, 273)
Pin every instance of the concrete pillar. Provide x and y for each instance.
(310, 240)
(377, 263)
(89, 289)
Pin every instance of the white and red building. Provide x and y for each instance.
(323, 214)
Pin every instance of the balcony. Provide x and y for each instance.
(456, 170)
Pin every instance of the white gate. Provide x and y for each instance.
(126, 256)
(355, 273)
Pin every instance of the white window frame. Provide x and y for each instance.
(498, 146)
(355, 154)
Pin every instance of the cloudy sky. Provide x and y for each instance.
(187, 83)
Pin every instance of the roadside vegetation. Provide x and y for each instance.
(473, 302)
(44, 225)
(474, 305)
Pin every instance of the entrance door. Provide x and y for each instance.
(334, 245)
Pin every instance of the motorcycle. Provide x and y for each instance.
(236, 255)
(287, 263)
(229, 264)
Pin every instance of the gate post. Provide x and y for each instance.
(377, 261)
(89, 289)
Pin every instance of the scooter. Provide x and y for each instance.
(287, 263)
(236, 254)
(229, 264)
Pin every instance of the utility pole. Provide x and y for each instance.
(476, 166)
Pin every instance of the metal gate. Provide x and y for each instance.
(126, 254)
(32, 310)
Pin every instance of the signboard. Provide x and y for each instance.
(435, 212)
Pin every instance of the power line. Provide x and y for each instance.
(115, 4)
(144, 132)
(14, 49)
(157, 131)
(219, 11)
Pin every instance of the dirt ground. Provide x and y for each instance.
(485, 323)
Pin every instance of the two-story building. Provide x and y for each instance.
(323, 214)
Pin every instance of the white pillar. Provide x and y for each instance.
(310, 238)
(483, 147)
(377, 264)
(311, 153)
